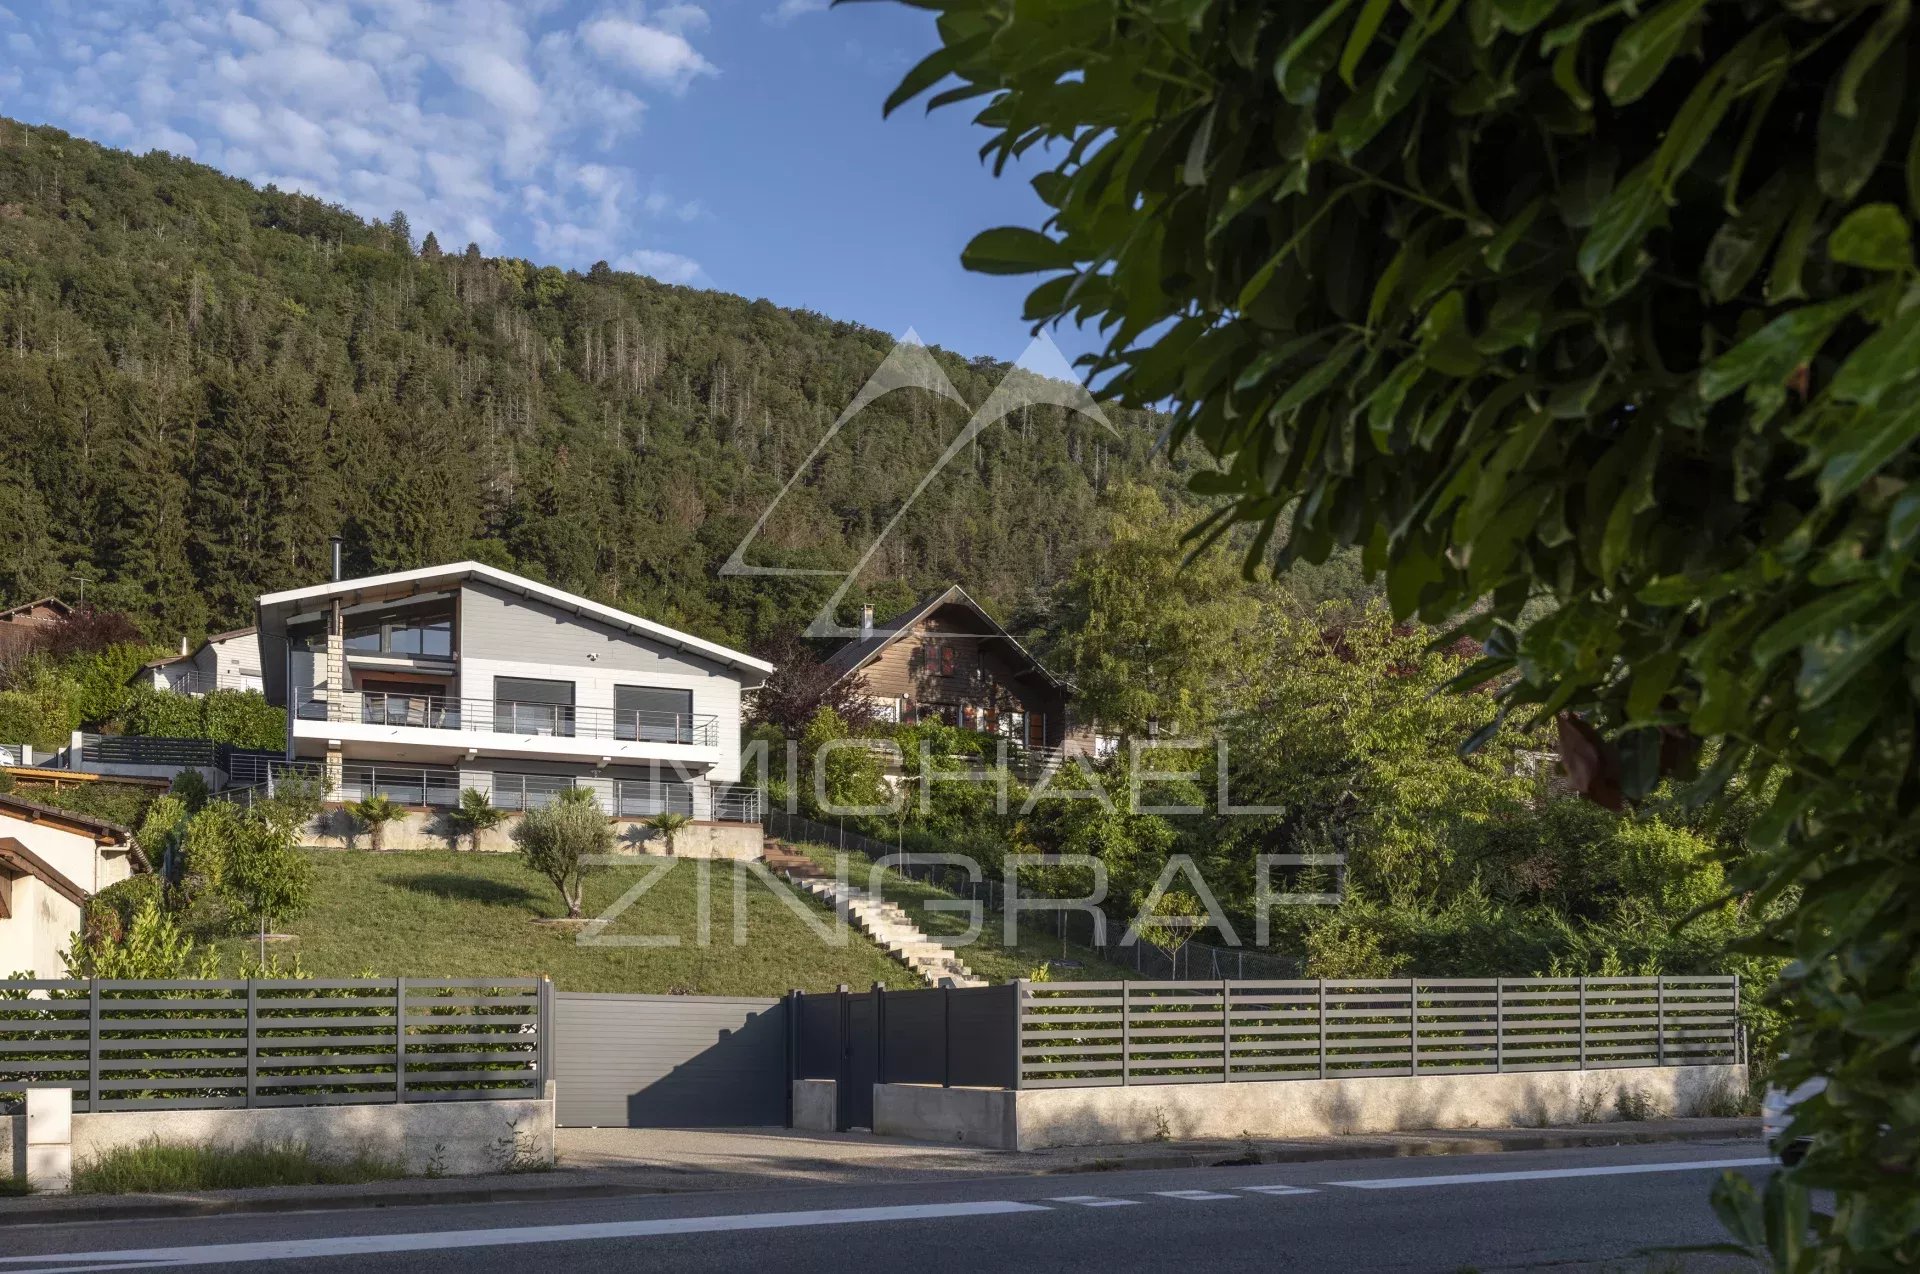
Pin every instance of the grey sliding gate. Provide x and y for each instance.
(670, 1061)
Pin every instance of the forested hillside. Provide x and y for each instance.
(202, 381)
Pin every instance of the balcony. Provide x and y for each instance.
(521, 719)
(619, 798)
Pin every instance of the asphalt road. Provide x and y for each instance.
(1614, 1208)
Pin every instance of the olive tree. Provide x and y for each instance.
(1595, 323)
(560, 841)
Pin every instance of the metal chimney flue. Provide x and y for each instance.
(866, 622)
(335, 543)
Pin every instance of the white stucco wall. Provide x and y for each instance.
(43, 922)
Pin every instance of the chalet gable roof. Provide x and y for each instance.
(861, 651)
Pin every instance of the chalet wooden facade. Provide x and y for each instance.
(946, 659)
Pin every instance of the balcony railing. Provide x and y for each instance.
(507, 716)
(401, 784)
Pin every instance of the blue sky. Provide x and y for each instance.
(734, 144)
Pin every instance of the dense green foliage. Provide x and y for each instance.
(243, 718)
(1600, 318)
(203, 381)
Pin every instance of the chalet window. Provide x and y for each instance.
(653, 715)
(522, 705)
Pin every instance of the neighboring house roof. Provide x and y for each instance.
(276, 609)
(102, 831)
(164, 660)
(860, 652)
(24, 612)
(18, 860)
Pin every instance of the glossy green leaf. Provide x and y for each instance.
(1297, 71)
(1865, 448)
(1849, 145)
(1773, 352)
(1875, 237)
(1831, 662)
(1014, 250)
(1643, 50)
(1365, 26)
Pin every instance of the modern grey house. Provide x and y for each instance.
(420, 683)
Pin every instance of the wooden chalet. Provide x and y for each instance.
(946, 659)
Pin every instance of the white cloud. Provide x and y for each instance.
(668, 267)
(659, 56)
(787, 10)
(495, 121)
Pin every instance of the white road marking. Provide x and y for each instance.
(1094, 1201)
(1277, 1189)
(1546, 1174)
(377, 1244)
(1194, 1195)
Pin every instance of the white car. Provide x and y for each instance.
(1776, 1112)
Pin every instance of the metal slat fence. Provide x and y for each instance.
(1083, 1034)
(189, 1044)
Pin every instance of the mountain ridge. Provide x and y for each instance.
(203, 380)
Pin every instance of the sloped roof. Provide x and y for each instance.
(164, 660)
(862, 651)
(52, 603)
(103, 831)
(274, 610)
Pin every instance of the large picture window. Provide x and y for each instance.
(424, 632)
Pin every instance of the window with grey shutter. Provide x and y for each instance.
(653, 715)
(522, 705)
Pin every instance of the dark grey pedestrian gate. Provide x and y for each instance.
(670, 1061)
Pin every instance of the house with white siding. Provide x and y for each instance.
(421, 683)
(224, 661)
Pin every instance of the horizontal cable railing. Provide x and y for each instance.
(522, 719)
(140, 1045)
(435, 788)
(401, 784)
(1081, 1034)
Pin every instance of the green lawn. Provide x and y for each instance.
(444, 914)
(988, 956)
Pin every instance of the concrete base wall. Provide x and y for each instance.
(334, 828)
(969, 1116)
(456, 1138)
(1036, 1118)
(816, 1105)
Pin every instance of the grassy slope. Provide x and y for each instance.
(989, 956)
(443, 914)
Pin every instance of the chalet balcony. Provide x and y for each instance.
(521, 719)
